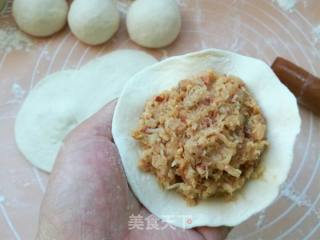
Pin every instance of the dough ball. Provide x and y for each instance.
(40, 18)
(154, 23)
(95, 21)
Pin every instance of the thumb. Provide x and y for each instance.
(98, 125)
(220, 233)
(87, 195)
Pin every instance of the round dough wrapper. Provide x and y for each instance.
(154, 24)
(40, 18)
(63, 100)
(283, 122)
(93, 22)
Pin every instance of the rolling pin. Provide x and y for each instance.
(301, 83)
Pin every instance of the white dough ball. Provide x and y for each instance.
(40, 18)
(154, 23)
(93, 21)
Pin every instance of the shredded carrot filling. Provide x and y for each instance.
(204, 138)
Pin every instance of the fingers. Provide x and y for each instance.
(103, 118)
(219, 233)
(100, 124)
(87, 195)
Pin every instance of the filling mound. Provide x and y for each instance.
(204, 138)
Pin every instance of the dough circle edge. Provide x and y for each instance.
(272, 96)
(70, 106)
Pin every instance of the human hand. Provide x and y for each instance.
(88, 196)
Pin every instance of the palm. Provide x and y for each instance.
(88, 196)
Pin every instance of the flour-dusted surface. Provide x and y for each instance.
(316, 34)
(286, 5)
(259, 28)
(13, 39)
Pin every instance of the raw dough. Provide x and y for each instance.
(154, 24)
(40, 18)
(279, 107)
(95, 21)
(63, 100)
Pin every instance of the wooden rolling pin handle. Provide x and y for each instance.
(301, 83)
